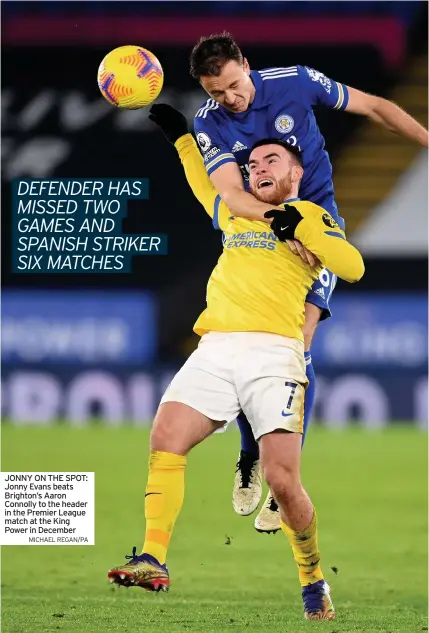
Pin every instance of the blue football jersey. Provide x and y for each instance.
(282, 108)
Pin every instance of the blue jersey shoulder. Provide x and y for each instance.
(276, 87)
(207, 110)
(275, 81)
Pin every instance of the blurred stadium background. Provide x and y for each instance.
(78, 347)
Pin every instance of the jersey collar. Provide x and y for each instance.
(291, 200)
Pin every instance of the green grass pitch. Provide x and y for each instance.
(370, 490)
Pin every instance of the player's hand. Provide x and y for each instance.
(284, 222)
(171, 121)
(298, 249)
(283, 225)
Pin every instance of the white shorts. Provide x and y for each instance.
(261, 374)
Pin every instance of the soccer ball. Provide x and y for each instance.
(130, 77)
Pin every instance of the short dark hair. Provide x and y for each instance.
(210, 54)
(292, 149)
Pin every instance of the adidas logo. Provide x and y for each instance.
(320, 292)
(238, 147)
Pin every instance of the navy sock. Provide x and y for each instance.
(310, 393)
(248, 442)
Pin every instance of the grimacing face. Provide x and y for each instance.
(233, 88)
(274, 174)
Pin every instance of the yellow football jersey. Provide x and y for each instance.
(259, 285)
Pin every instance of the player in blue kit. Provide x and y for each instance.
(247, 105)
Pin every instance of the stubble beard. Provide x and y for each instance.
(278, 195)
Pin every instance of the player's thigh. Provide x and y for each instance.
(177, 428)
(271, 385)
(318, 299)
(205, 382)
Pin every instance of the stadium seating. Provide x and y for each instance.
(363, 176)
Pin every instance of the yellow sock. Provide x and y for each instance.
(305, 551)
(163, 501)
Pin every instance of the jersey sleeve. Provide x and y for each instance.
(214, 149)
(321, 235)
(317, 89)
(200, 183)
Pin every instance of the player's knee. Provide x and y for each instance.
(164, 435)
(160, 437)
(281, 479)
(177, 428)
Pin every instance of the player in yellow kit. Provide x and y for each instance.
(250, 357)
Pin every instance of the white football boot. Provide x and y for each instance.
(268, 519)
(247, 491)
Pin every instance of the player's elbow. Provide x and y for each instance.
(357, 271)
(374, 105)
(229, 196)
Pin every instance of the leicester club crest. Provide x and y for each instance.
(284, 124)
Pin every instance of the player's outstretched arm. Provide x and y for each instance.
(387, 114)
(320, 234)
(228, 181)
(175, 127)
(317, 89)
(199, 181)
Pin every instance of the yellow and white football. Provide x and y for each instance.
(130, 77)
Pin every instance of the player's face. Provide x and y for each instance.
(274, 174)
(233, 88)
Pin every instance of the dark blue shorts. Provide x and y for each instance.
(321, 292)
